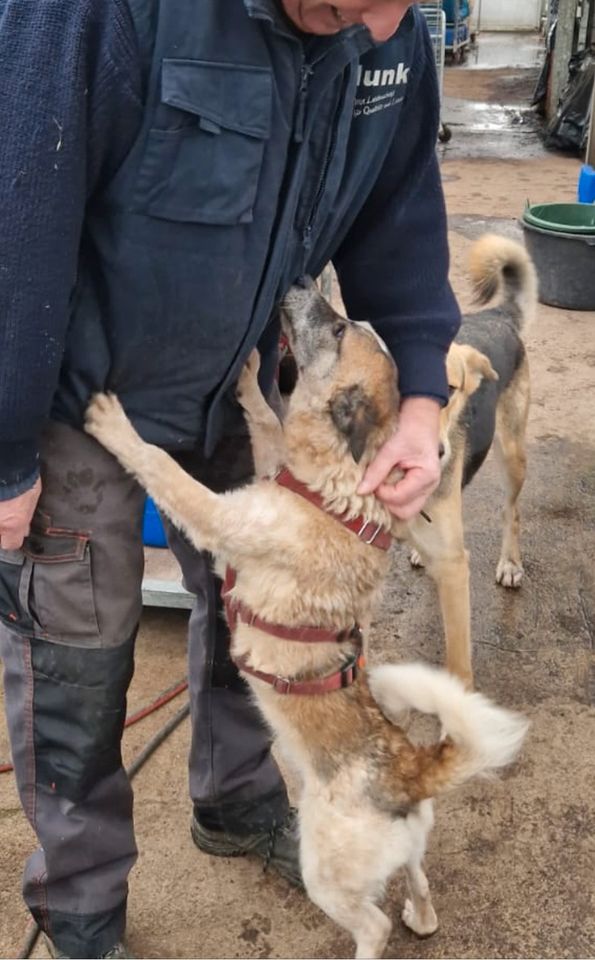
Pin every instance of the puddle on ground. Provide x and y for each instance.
(492, 51)
(482, 129)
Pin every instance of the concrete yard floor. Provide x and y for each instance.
(511, 862)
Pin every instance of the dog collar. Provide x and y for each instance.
(342, 678)
(368, 532)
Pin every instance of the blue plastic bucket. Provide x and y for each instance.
(586, 184)
(153, 532)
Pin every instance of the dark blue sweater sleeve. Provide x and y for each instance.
(70, 104)
(393, 265)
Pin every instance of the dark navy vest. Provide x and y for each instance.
(257, 150)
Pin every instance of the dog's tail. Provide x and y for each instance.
(500, 265)
(480, 737)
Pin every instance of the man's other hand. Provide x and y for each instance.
(16, 515)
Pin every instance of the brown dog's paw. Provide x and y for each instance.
(415, 560)
(106, 421)
(247, 388)
(509, 574)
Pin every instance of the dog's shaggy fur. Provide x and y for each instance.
(365, 807)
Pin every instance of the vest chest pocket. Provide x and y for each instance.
(202, 157)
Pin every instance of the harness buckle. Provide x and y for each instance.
(282, 684)
(370, 540)
(349, 671)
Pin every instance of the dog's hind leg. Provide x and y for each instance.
(266, 432)
(418, 912)
(341, 862)
(511, 423)
(367, 924)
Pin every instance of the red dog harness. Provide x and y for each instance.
(237, 611)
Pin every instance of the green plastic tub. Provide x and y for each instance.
(561, 240)
(576, 218)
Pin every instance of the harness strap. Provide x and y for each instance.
(342, 678)
(236, 611)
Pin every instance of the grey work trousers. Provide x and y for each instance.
(70, 603)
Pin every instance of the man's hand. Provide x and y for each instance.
(15, 517)
(413, 450)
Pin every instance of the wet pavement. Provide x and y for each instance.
(510, 50)
(486, 100)
(485, 130)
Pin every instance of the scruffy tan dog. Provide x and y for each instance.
(301, 580)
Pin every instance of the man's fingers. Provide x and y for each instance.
(12, 541)
(15, 517)
(403, 511)
(406, 498)
(378, 471)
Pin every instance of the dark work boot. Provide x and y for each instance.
(117, 952)
(277, 846)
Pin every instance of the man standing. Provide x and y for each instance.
(167, 170)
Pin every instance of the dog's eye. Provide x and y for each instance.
(339, 329)
(451, 390)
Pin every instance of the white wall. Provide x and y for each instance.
(507, 14)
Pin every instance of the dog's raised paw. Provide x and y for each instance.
(421, 926)
(103, 410)
(247, 386)
(509, 574)
(106, 420)
(415, 559)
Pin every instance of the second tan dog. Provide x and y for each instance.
(488, 374)
(304, 560)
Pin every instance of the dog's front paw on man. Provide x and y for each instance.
(107, 422)
(247, 387)
(509, 573)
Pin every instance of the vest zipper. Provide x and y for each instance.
(307, 234)
(300, 115)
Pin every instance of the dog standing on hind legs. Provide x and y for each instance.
(305, 562)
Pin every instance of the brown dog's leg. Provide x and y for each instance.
(511, 423)
(266, 432)
(442, 550)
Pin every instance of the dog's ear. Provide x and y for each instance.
(476, 367)
(355, 416)
(455, 368)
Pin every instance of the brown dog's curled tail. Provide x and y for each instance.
(497, 264)
(481, 737)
